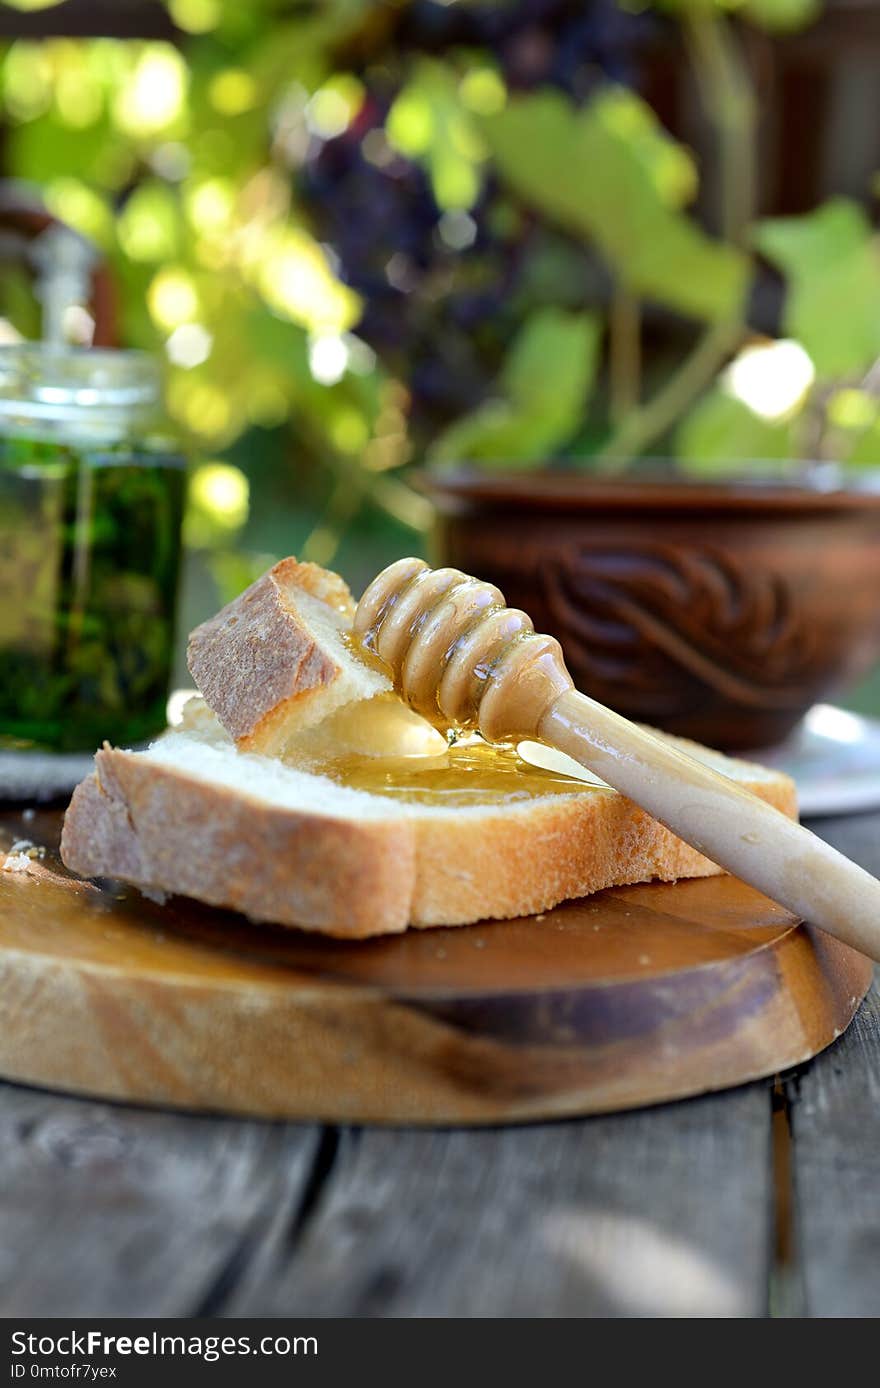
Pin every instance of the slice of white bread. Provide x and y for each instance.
(209, 812)
(196, 816)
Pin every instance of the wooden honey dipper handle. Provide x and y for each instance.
(461, 658)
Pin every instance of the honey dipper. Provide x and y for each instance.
(461, 658)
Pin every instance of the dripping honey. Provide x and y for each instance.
(468, 773)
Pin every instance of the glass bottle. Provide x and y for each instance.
(91, 502)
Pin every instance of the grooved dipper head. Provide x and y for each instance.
(456, 654)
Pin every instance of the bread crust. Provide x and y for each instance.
(148, 824)
(531, 859)
(256, 663)
(163, 829)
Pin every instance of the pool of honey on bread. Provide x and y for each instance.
(383, 748)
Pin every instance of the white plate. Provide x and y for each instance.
(834, 757)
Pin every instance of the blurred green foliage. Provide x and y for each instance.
(775, 15)
(540, 396)
(166, 161)
(833, 270)
(183, 164)
(609, 175)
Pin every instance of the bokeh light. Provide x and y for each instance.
(771, 378)
(172, 298)
(153, 97)
(189, 345)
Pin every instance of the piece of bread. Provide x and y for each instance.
(209, 811)
(196, 816)
(274, 661)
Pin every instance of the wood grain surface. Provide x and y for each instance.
(131, 1213)
(655, 1212)
(832, 1109)
(634, 996)
(109, 1210)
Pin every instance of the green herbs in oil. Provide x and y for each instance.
(89, 560)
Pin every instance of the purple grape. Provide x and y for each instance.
(441, 318)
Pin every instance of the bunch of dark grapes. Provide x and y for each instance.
(568, 44)
(443, 294)
(434, 310)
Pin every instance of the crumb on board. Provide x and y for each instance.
(16, 862)
(21, 855)
(31, 850)
(154, 894)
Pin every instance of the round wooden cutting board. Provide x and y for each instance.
(630, 997)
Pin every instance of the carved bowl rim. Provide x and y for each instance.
(550, 491)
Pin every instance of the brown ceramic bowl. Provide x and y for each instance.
(720, 612)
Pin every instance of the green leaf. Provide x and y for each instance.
(669, 165)
(853, 422)
(866, 451)
(29, 5)
(543, 391)
(552, 362)
(582, 169)
(779, 16)
(721, 433)
(494, 433)
(833, 268)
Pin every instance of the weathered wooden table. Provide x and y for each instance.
(764, 1200)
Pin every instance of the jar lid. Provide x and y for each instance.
(90, 393)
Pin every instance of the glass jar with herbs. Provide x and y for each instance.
(91, 501)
